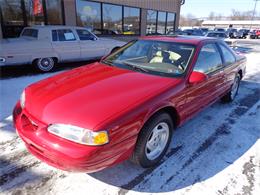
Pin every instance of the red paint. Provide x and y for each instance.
(101, 97)
(197, 77)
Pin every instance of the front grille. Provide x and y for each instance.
(28, 124)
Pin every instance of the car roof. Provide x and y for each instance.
(195, 40)
(53, 27)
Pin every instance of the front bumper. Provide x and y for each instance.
(64, 154)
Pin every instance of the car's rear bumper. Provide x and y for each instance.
(64, 154)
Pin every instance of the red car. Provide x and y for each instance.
(257, 33)
(126, 105)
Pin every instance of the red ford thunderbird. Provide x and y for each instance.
(126, 105)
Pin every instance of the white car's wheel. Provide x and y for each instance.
(45, 64)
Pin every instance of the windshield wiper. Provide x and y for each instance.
(134, 67)
(107, 62)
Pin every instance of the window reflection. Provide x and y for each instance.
(112, 18)
(89, 15)
(12, 18)
(151, 22)
(11, 12)
(170, 22)
(54, 11)
(34, 12)
(161, 22)
(131, 21)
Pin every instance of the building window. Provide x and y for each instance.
(12, 20)
(112, 18)
(131, 21)
(89, 15)
(54, 11)
(12, 12)
(161, 22)
(34, 12)
(151, 22)
(170, 22)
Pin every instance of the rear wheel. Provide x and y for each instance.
(230, 96)
(153, 141)
(45, 64)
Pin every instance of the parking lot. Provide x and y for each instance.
(217, 152)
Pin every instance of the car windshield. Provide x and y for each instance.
(153, 57)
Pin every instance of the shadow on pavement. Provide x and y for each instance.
(200, 149)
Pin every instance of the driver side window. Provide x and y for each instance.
(209, 59)
(85, 35)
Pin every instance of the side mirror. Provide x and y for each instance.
(197, 77)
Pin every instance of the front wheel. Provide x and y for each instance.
(230, 96)
(45, 64)
(153, 141)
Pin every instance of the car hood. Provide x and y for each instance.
(91, 94)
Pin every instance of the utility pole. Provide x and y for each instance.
(253, 16)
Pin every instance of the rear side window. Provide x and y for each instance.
(229, 58)
(30, 33)
(209, 59)
(63, 35)
(85, 35)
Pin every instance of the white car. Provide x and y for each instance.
(45, 46)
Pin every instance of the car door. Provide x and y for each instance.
(66, 45)
(202, 94)
(229, 67)
(91, 47)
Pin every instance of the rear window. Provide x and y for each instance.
(63, 35)
(29, 32)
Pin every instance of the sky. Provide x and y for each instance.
(202, 8)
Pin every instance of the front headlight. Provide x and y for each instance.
(22, 99)
(79, 135)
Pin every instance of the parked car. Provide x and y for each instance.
(204, 30)
(252, 34)
(257, 33)
(194, 32)
(126, 105)
(232, 33)
(243, 33)
(104, 31)
(220, 35)
(219, 29)
(45, 46)
(177, 32)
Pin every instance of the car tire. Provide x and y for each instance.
(230, 96)
(45, 64)
(153, 141)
